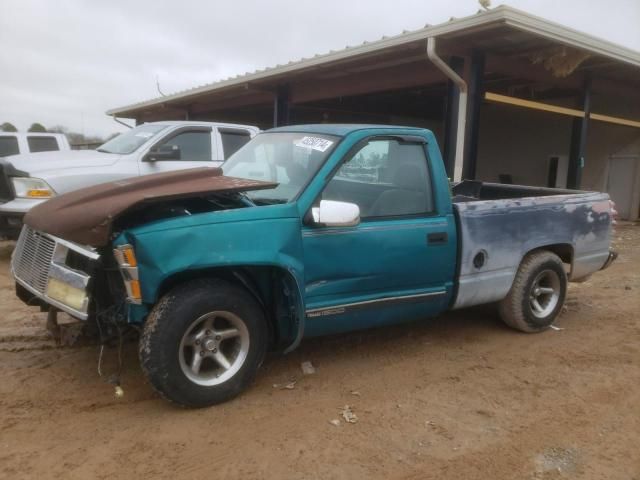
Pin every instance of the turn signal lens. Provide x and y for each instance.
(130, 257)
(126, 256)
(28, 187)
(134, 286)
(39, 193)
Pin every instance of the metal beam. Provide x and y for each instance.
(579, 133)
(281, 106)
(476, 95)
(572, 112)
(521, 102)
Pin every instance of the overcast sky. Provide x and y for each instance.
(68, 61)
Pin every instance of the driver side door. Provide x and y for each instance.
(193, 147)
(398, 263)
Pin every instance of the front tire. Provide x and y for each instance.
(203, 342)
(537, 294)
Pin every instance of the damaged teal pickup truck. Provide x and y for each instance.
(305, 231)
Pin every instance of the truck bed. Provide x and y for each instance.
(499, 224)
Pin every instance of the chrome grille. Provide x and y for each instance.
(32, 258)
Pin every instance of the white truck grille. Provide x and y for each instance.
(32, 258)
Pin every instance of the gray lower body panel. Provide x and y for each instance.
(495, 235)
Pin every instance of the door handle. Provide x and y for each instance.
(437, 238)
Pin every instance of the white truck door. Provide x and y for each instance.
(186, 147)
(231, 139)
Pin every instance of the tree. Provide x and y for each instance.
(59, 129)
(77, 139)
(8, 127)
(37, 128)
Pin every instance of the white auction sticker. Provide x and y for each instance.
(314, 143)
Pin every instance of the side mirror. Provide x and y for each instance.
(331, 213)
(163, 152)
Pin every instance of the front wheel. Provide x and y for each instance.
(203, 343)
(537, 293)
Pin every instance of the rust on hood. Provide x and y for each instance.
(86, 216)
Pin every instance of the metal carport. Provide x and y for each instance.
(506, 58)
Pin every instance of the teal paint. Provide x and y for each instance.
(386, 260)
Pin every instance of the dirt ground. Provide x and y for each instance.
(460, 396)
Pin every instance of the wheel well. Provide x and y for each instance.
(563, 250)
(273, 287)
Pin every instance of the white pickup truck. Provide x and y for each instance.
(15, 143)
(29, 179)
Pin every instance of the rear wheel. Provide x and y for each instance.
(537, 293)
(203, 343)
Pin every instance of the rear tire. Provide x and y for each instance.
(537, 294)
(203, 343)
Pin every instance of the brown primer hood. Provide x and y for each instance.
(86, 216)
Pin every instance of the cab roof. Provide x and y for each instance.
(338, 129)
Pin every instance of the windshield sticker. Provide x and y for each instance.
(144, 134)
(314, 143)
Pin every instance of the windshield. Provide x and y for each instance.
(130, 141)
(290, 159)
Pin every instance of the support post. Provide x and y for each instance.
(281, 108)
(579, 131)
(451, 117)
(476, 94)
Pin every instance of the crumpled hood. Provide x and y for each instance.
(36, 164)
(86, 216)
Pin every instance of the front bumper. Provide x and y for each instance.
(610, 259)
(12, 214)
(54, 272)
(10, 225)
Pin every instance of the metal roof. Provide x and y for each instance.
(499, 16)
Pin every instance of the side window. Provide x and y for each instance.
(233, 140)
(8, 145)
(195, 146)
(385, 178)
(42, 144)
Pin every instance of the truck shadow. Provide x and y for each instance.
(429, 341)
(454, 329)
(472, 325)
(459, 328)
